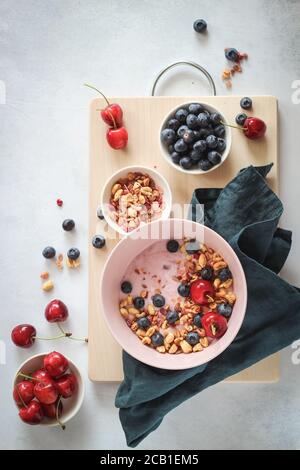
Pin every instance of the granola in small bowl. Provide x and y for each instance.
(135, 196)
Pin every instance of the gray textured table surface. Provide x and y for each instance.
(48, 49)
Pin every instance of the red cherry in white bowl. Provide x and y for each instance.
(32, 413)
(43, 398)
(55, 364)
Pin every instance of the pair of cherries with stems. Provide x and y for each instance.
(24, 335)
(112, 115)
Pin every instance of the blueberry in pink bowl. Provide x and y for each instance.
(194, 138)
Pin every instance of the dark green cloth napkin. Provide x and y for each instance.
(246, 213)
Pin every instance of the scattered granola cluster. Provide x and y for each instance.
(200, 305)
(135, 199)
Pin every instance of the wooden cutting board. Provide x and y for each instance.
(143, 118)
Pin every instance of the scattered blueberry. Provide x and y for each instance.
(98, 241)
(143, 323)
(49, 252)
(197, 320)
(192, 338)
(180, 146)
(173, 124)
(183, 290)
(220, 131)
(172, 317)
(126, 287)
(224, 274)
(231, 54)
(195, 108)
(158, 300)
(188, 136)
(211, 141)
(215, 118)
(73, 253)
(200, 146)
(224, 309)
(207, 273)
(181, 130)
(68, 225)
(214, 157)
(221, 145)
(139, 302)
(100, 214)
(203, 120)
(200, 26)
(240, 118)
(186, 163)
(192, 247)
(246, 103)
(172, 246)
(191, 121)
(175, 157)
(181, 115)
(205, 165)
(168, 136)
(157, 339)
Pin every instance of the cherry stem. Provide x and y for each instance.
(21, 399)
(49, 339)
(234, 127)
(113, 120)
(63, 427)
(96, 89)
(69, 335)
(28, 377)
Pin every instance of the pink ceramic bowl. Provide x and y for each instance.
(116, 265)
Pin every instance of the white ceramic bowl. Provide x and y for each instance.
(158, 179)
(71, 405)
(195, 171)
(130, 247)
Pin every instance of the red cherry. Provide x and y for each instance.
(66, 385)
(23, 335)
(55, 364)
(112, 115)
(59, 202)
(214, 324)
(50, 410)
(117, 138)
(254, 128)
(199, 290)
(32, 414)
(46, 392)
(23, 392)
(41, 375)
(56, 311)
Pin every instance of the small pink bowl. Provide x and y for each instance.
(116, 265)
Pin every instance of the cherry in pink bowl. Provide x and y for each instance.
(115, 267)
